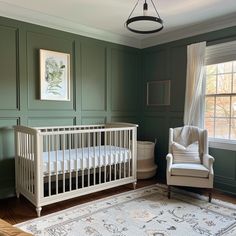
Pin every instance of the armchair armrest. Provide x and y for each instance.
(169, 159)
(208, 162)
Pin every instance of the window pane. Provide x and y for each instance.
(223, 106)
(209, 107)
(234, 83)
(233, 129)
(209, 125)
(225, 67)
(234, 66)
(222, 128)
(220, 68)
(228, 67)
(233, 110)
(211, 69)
(224, 83)
(211, 84)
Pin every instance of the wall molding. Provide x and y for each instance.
(36, 17)
(191, 30)
(39, 18)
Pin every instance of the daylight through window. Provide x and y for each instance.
(220, 100)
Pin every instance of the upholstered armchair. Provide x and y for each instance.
(188, 161)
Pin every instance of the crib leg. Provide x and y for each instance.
(38, 210)
(134, 185)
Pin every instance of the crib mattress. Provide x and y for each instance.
(86, 158)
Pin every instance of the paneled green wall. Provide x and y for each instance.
(168, 62)
(104, 80)
(108, 83)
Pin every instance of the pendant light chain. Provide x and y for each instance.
(133, 9)
(155, 9)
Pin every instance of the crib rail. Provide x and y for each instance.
(56, 163)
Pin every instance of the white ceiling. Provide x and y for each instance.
(104, 19)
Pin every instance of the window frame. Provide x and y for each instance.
(228, 144)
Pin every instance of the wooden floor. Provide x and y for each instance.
(15, 210)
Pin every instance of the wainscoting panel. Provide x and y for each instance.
(51, 121)
(178, 62)
(9, 79)
(93, 120)
(93, 80)
(124, 80)
(7, 156)
(126, 119)
(153, 128)
(175, 120)
(36, 41)
(156, 65)
(155, 68)
(225, 163)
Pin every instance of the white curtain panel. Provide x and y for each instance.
(194, 79)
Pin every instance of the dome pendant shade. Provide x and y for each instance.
(144, 24)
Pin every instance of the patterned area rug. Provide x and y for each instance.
(145, 211)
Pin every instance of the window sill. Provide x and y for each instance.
(222, 144)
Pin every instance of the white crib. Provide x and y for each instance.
(53, 164)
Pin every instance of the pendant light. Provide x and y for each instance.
(137, 24)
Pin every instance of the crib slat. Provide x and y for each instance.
(30, 163)
(63, 162)
(76, 143)
(120, 157)
(124, 156)
(129, 154)
(26, 181)
(70, 162)
(57, 137)
(99, 161)
(115, 154)
(110, 157)
(95, 158)
(88, 159)
(24, 162)
(105, 155)
(83, 160)
(49, 165)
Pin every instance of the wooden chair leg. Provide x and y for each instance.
(168, 191)
(210, 195)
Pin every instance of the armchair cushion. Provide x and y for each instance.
(189, 154)
(190, 170)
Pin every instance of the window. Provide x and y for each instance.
(220, 95)
(220, 100)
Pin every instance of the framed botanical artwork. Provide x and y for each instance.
(54, 75)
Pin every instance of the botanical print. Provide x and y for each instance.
(145, 211)
(54, 75)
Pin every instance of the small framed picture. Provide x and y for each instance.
(158, 93)
(54, 75)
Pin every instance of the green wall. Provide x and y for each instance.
(104, 85)
(168, 62)
(108, 83)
